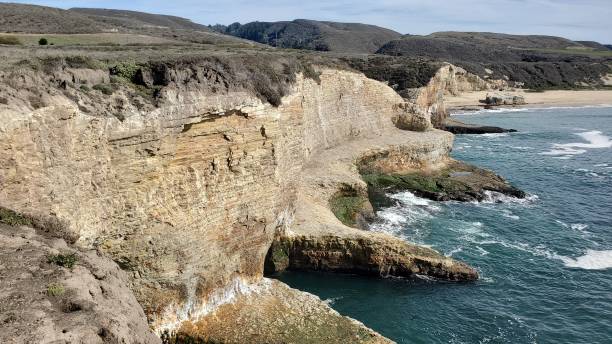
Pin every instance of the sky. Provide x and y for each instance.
(574, 19)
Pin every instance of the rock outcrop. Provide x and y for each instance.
(52, 292)
(500, 99)
(275, 313)
(449, 80)
(455, 181)
(187, 196)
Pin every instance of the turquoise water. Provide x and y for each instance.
(545, 262)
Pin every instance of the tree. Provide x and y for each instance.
(43, 41)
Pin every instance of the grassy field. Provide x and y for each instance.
(90, 39)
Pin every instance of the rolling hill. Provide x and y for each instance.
(314, 35)
(32, 19)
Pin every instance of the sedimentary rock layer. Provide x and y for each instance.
(188, 196)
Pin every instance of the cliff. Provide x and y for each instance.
(449, 80)
(53, 292)
(188, 194)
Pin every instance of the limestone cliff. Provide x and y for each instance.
(187, 196)
(449, 80)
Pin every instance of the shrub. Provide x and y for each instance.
(79, 61)
(11, 218)
(104, 88)
(10, 40)
(66, 260)
(43, 41)
(55, 289)
(126, 70)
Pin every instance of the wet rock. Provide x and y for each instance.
(457, 127)
(456, 181)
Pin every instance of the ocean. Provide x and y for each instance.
(545, 262)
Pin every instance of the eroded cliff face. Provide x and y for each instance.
(187, 197)
(449, 80)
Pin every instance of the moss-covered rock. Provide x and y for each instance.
(457, 181)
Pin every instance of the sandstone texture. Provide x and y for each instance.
(42, 302)
(187, 195)
(275, 313)
(449, 80)
(317, 240)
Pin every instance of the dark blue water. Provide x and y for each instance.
(545, 262)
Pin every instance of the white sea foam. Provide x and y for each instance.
(497, 197)
(489, 111)
(524, 109)
(591, 260)
(409, 210)
(510, 215)
(494, 135)
(454, 251)
(595, 139)
(579, 226)
(408, 198)
(332, 300)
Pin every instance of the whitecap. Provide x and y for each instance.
(595, 139)
(578, 226)
(494, 135)
(600, 165)
(510, 215)
(454, 251)
(482, 251)
(591, 260)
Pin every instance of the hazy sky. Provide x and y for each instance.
(575, 19)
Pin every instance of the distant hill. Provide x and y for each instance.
(314, 35)
(609, 46)
(40, 19)
(479, 46)
(594, 45)
(138, 20)
(536, 61)
(19, 18)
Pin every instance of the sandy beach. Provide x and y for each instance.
(535, 99)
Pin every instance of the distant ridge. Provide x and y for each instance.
(134, 19)
(480, 46)
(314, 35)
(42, 19)
(20, 18)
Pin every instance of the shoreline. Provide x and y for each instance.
(469, 101)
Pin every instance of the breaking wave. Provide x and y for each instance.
(591, 260)
(409, 209)
(489, 111)
(595, 139)
(497, 197)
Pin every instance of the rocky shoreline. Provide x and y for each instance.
(196, 196)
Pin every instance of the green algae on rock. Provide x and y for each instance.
(456, 181)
